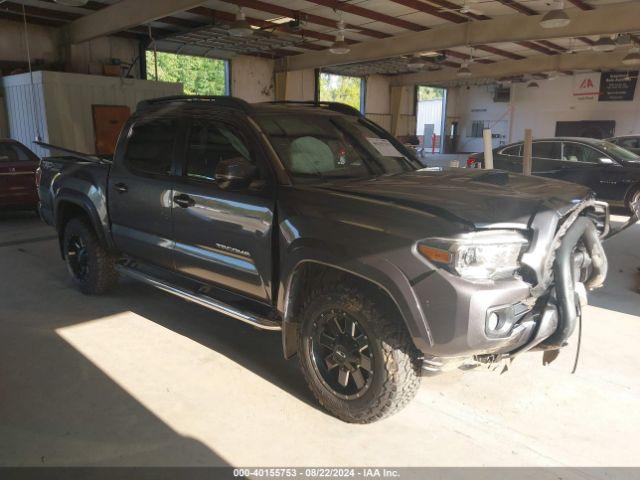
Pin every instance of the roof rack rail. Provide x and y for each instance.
(336, 106)
(220, 100)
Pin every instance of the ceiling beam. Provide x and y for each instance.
(229, 17)
(371, 14)
(518, 7)
(499, 51)
(308, 17)
(537, 48)
(123, 16)
(450, 5)
(581, 4)
(431, 10)
(528, 66)
(606, 20)
(464, 56)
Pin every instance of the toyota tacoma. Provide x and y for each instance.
(310, 220)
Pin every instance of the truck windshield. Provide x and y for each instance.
(322, 147)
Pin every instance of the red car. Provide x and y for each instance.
(18, 167)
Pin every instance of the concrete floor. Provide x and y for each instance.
(142, 378)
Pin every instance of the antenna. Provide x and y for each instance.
(33, 95)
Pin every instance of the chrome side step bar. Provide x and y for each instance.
(207, 302)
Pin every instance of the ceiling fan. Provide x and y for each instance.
(466, 8)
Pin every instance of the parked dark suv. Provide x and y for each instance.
(612, 172)
(310, 220)
(628, 142)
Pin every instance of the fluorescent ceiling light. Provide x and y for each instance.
(281, 20)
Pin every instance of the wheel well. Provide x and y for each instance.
(67, 211)
(632, 190)
(304, 279)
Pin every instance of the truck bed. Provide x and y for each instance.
(68, 178)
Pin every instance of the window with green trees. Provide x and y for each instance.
(199, 75)
(429, 93)
(343, 89)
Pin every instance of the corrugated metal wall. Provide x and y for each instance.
(64, 102)
(406, 125)
(25, 109)
(429, 112)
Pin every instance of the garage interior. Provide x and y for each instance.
(137, 378)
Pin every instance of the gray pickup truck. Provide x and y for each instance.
(310, 220)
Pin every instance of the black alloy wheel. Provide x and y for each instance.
(341, 354)
(78, 257)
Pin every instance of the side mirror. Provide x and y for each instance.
(235, 173)
(606, 161)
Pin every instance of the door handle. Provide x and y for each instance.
(121, 187)
(184, 201)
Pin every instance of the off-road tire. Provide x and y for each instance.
(102, 275)
(395, 379)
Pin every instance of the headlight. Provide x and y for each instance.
(484, 255)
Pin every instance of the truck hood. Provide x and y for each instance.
(478, 197)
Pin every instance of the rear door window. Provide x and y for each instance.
(546, 150)
(150, 146)
(576, 152)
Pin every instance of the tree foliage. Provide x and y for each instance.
(429, 93)
(199, 75)
(340, 88)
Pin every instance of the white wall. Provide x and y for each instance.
(43, 42)
(301, 85)
(377, 95)
(535, 108)
(540, 108)
(252, 78)
(63, 105)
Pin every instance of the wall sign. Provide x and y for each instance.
(618, 86)
(586, 86)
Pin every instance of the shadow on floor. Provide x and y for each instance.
(58, 408)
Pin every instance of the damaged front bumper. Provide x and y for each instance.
(506, 318)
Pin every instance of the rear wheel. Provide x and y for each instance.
(92, 268)
(356, 354)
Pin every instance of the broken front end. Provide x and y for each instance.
(533, 304)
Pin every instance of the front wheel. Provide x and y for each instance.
(634, 199)
(91, 266)
(356, 354)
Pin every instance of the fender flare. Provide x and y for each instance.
(82, 201)
(388, 278)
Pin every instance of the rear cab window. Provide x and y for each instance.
(150, 148)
